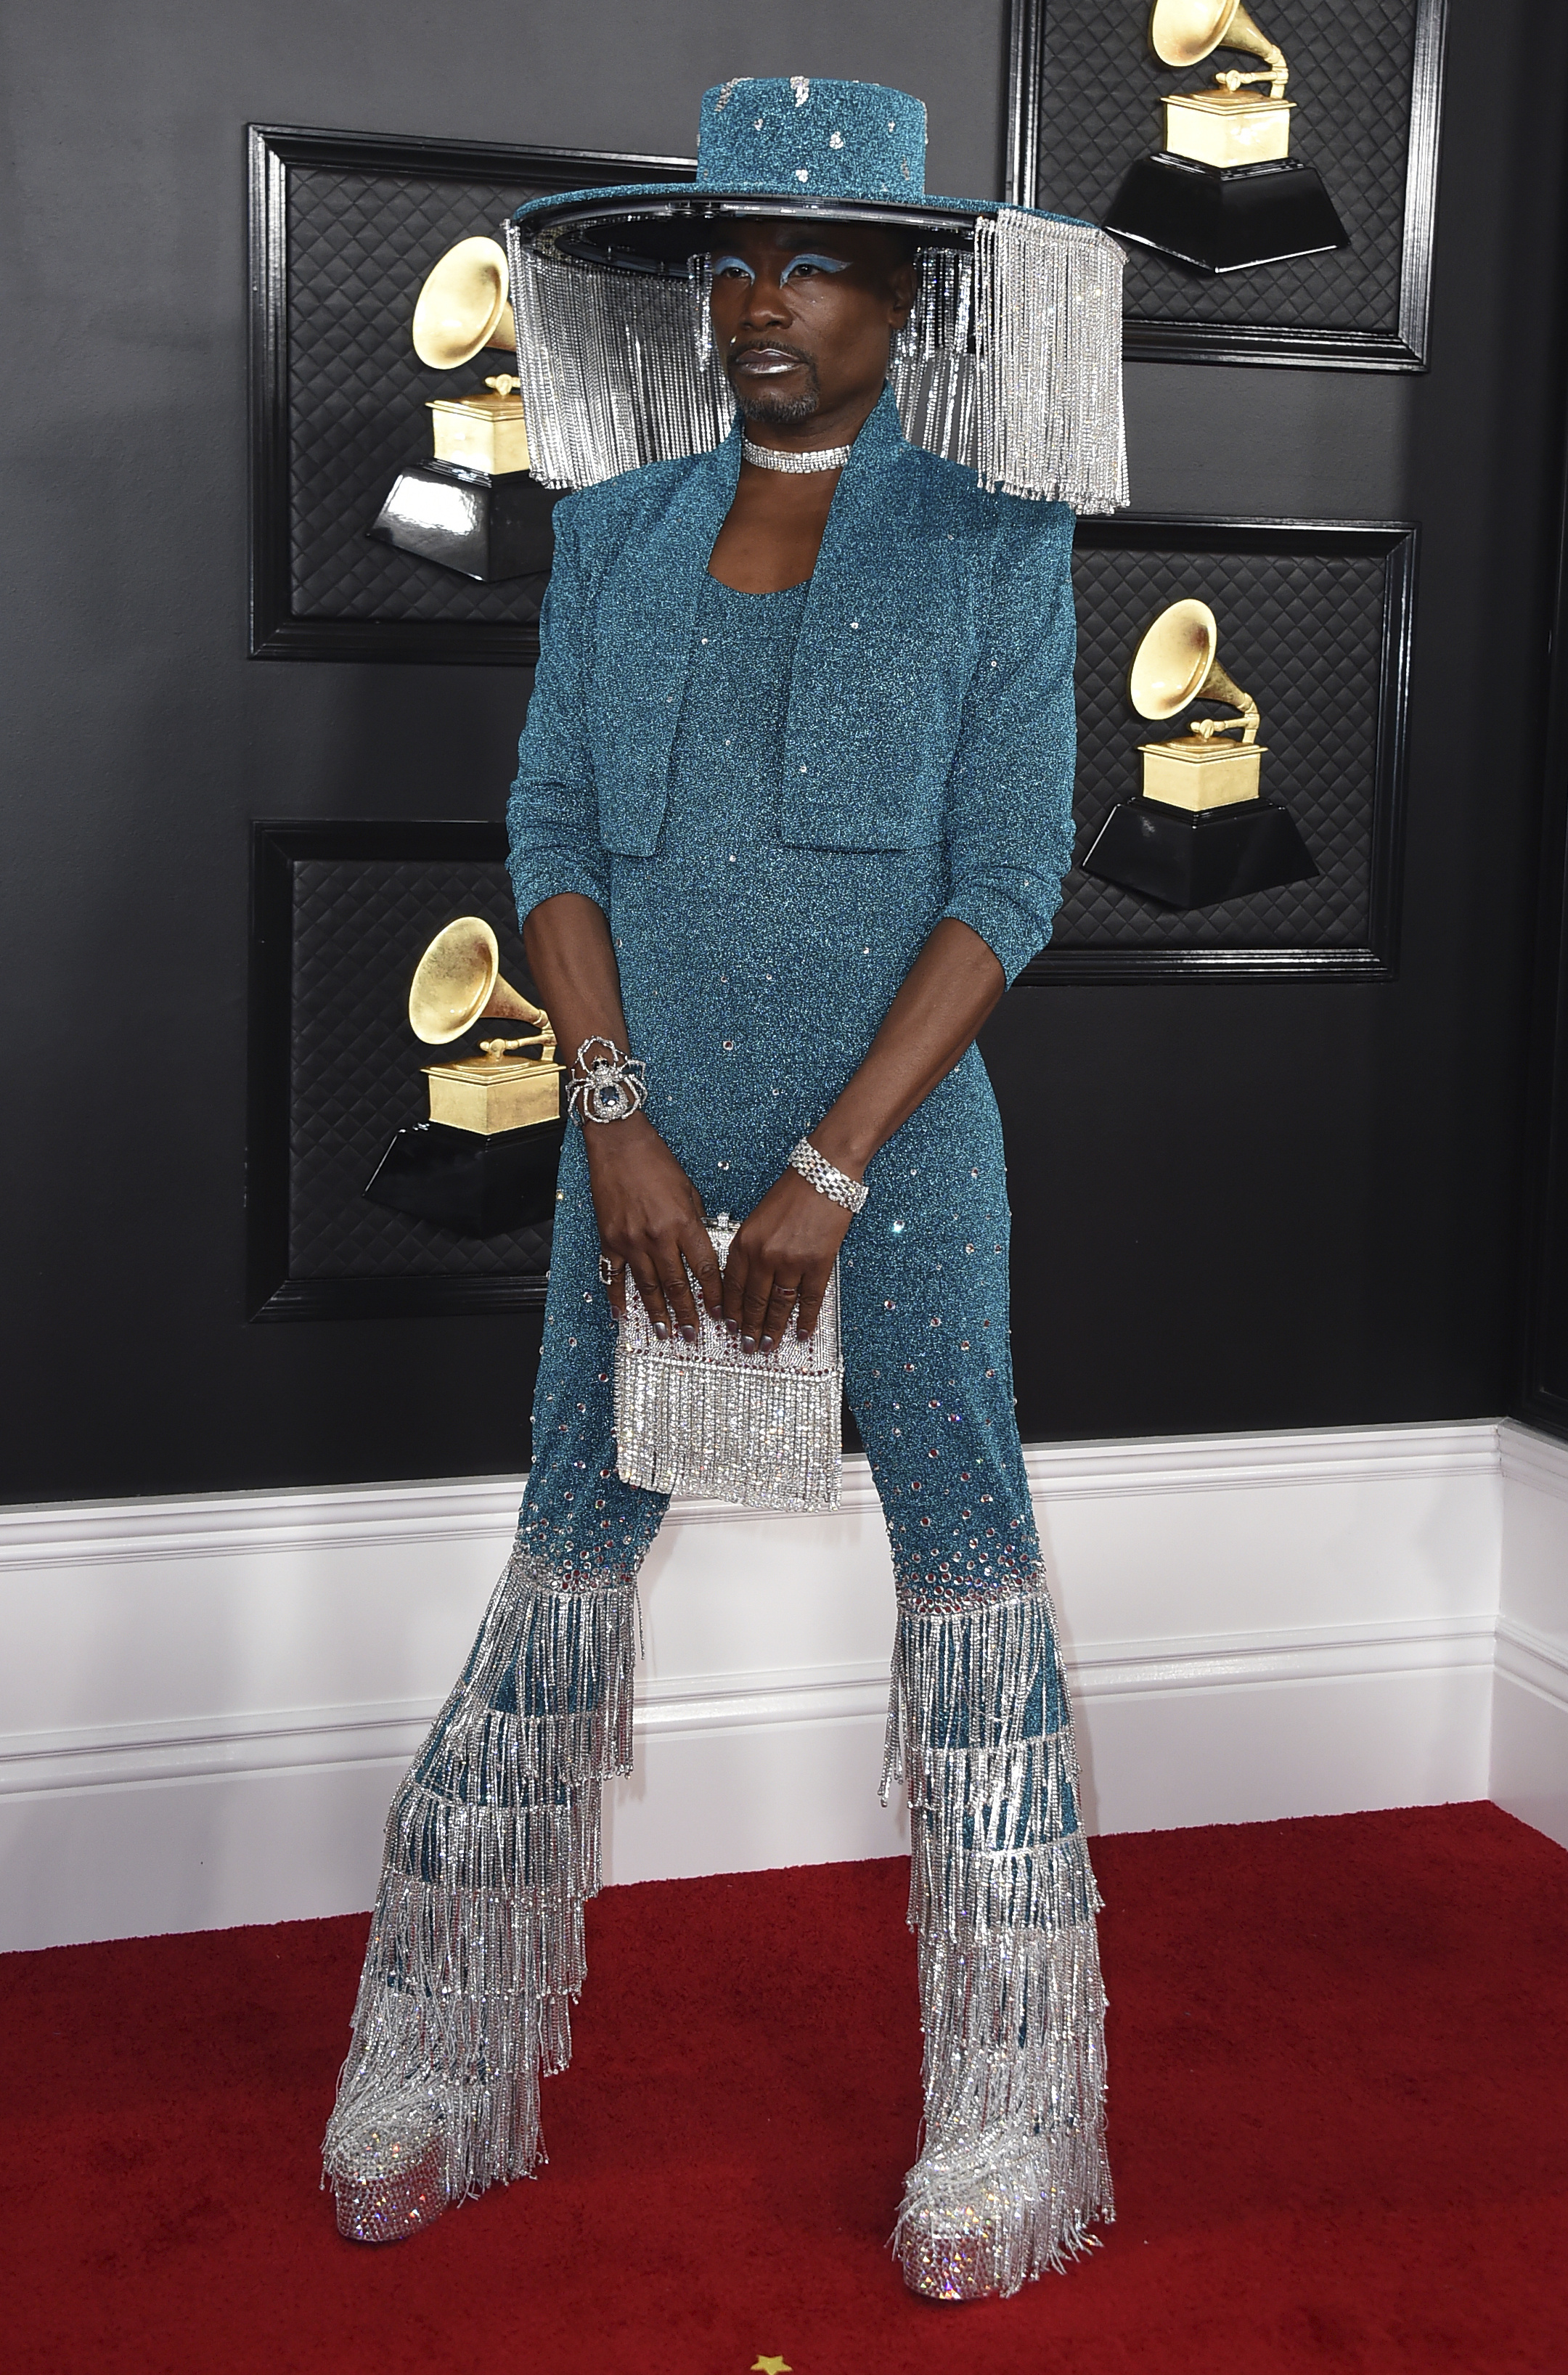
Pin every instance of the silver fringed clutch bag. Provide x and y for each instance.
(761, 1429)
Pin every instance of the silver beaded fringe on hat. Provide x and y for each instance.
(1011, 363)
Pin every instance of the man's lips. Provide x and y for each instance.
(767, 361)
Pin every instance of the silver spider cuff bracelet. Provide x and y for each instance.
(609, 1086)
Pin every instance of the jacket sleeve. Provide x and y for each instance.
(1009, 813)
(553, 814)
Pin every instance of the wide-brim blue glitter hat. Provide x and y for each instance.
(1010, 362)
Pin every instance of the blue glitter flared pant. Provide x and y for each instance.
(476, 1948)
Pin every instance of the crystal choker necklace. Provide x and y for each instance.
(797, 465)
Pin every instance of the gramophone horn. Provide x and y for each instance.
(463, 306)
(1182, 31)
(1175, 664)
(1170, 663)
(457, 982)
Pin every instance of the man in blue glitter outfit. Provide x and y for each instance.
(793, 808)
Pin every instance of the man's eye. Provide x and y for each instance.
(812, 264)
(730, 268)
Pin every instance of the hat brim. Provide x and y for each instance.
(658, 226)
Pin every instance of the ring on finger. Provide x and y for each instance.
(782, 1300)
(608, 1269)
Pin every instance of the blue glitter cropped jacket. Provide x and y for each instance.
(931, 700)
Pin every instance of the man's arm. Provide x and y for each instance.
(650, 1215)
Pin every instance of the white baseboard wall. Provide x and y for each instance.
(1529, 1714)
(206, 1704)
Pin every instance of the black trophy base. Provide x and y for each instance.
(1193, 859)
(1226, 218)
(481, 1187)
(483, 528)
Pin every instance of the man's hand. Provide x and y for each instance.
(783, 1253)
(650, 1219)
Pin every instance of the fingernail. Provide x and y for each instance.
(688, 1335)
(659, 1327)
(767, 1343)
(749, 1343)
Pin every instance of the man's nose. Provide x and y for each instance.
(766, 305)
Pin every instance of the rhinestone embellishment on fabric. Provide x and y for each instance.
(795, 465)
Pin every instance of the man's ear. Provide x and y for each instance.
(901, 292)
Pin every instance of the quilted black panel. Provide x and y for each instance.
(359, 245)
(1302, 634)
(358, 928)
(1350, 74)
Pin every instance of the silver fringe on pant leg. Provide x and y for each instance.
(1012, 2171)
(492, 1844)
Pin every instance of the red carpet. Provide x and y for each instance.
(1340, 2129)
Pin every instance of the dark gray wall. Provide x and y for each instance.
(1249, 1205)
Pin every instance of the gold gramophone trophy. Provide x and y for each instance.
(1224, 193)
(1200, 829)
(485, 1161)
(475, 508)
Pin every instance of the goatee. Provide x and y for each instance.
(778, 411)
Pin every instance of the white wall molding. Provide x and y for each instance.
(1534, 1659)
(1528, 1770)
(210, 1698)
(233, 1525)
(1538, 1460)
(116, 1533)
(281, 1739)
(1251, 1661)
(1208, 1463)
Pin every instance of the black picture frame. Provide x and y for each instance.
(1540, 1395)
(277, 156)
(1373, 957)
(1401, 346)
(273, 1293)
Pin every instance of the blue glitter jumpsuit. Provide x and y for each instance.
(756, 967)
(788, 960)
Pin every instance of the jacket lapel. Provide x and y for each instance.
(647, 625)
(886, 649)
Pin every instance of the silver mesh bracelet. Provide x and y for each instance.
(826, 1178)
